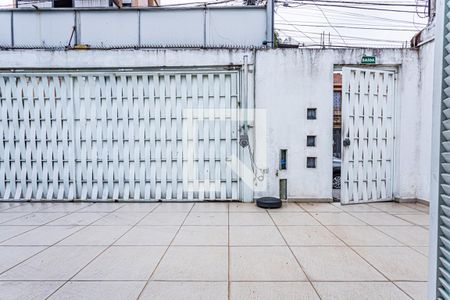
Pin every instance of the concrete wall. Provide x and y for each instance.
(289, 81)
(284, 83)
(426, 65)
(134, 27)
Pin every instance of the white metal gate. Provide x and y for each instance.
(116, 135)
(367, 135)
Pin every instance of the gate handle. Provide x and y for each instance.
(346, 142)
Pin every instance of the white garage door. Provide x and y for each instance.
(119, 135)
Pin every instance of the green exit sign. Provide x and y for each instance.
(368, 60)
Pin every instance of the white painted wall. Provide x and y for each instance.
(426, 69)
(286, 82)
(289, 81)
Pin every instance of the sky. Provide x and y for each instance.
(306, 22)
(327, 24)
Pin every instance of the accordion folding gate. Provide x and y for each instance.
(114, 135)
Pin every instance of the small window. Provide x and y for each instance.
(311, 141)
(311, 113)
(283, 159)
(311, 162)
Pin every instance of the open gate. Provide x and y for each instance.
(368, 97)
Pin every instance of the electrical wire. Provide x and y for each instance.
(298, 30)
(407, 4)
(349, 15)
(349, 27)
(199, 3)
(351, 37)
(329, 23)
(346, 6)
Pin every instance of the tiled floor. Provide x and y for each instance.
(212, 251)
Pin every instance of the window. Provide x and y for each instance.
(311, 141)
(311, 114)
(283, 159)
(337, 96)
(311, 162)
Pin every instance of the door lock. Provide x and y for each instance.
(346, 142)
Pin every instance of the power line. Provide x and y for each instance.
(344, 6)
(343, 15)
(329, 23)
(352, 37)
(367, 3)
(349, 27)
(296, 29)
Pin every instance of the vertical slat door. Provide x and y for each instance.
(367, 135)
(118, 136)
(442, 282)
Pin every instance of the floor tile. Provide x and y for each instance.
(163, 219)
(416, 290)
(408, 235)
(121, 218)
(28, 290)
(8, 205)
(7, 232)
(95, 236)
(356, 207)
(123, 263)
(250, 219)
(78, 219)
(35, 219)
(11, 256)
(337, 219)
(396, 263)
(272, 290)
(173, 207)
(359, 290)
(43, 235)
(255, 236)
(66, 207)
(163, 290)
(417, 206)
(380, 219)
(334, 264)
(264, 264)
(207, 218)
(202, 235)
(193, 264)
(94, 290)
(294, 219)
(421, 219)
(148, 235)
(55, 263)
(287, 207)
(210, 207)
(319, 207)
(138, 207)
(102, 207)
(4, 216)
(363, 236)
(29, 207)
(309, 236)
(244, 207)
(392, 207)
(423, 250)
